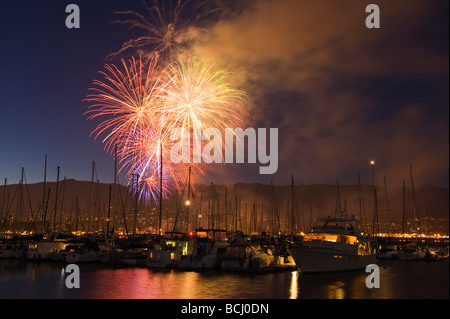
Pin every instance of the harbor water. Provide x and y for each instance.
(47, 280)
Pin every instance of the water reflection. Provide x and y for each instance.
(336, 291)
(294, 286)
(47, 281)
(343, 285)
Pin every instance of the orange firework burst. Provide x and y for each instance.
(200, 96)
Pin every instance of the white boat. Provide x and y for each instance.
(334, 246)
(248, 257)
(209, 249)
(168, 252)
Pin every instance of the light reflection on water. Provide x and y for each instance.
(47, 281)
(294, 286)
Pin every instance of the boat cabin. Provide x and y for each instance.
(344, 226)
(211, 235)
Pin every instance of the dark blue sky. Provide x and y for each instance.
(393, 83)
(46, 71)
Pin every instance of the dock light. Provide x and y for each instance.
(372, 162)
(188, 203)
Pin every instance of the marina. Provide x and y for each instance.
(200, 150)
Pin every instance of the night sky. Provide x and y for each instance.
(340, 94)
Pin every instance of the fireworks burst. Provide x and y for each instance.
(162, 28)
(144, 101)
(127, 99)
(201, 96)
(142, 106)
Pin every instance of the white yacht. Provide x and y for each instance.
(336, 245)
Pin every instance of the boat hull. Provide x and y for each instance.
(320, 260)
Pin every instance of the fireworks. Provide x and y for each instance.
(127, 98)
(142, 102)
(199, 97)
(161, 31)
(142, 106)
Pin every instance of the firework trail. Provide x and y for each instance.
(162, 28)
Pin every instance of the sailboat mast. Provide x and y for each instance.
(338, 201)
(375, 214)
(188, 202)
(109, 212)
(226, 208)
(424, 216)
(18, 206)
(403, 208)
(276, 209)
(136, 203)
(386, 206)
(91, 204)
(56, 200)
(3, 200)
(62, 204)
(213, 201)
(292, 205)
(160, 190)
(43, 196)
(115, 191)
(416, 220)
